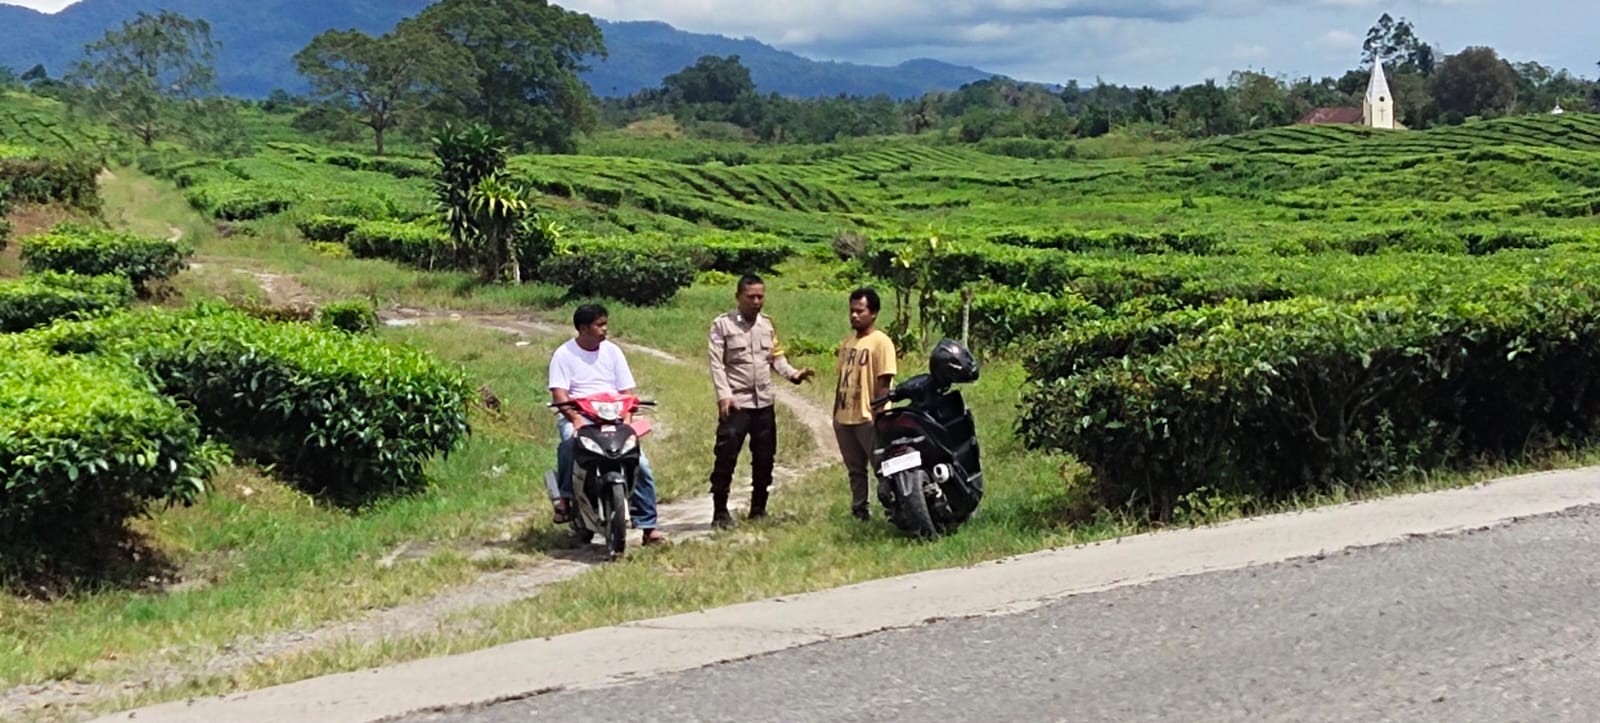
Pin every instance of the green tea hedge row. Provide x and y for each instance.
(85, 443)
(346, 415)
(69, 181)
(1275, 399)
(733, 253)
(421, 245)
(1007, 317)
(637, 275)
(40, 299)
(1126, 240)
(417, 243)
(77, 248)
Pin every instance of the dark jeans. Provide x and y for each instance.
(761, 426)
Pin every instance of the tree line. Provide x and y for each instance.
(515, 65)
(1429, 87)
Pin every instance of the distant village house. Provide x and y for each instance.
(1376, 111)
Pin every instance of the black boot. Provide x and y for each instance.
(720, 519)
(758, 503)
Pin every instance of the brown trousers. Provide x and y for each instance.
(856, 442)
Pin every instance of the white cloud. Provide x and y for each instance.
(1339, 40)
(48, 6)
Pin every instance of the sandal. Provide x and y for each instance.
(563, 512)
(654, 536)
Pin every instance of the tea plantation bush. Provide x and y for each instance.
(39, 299)
(1003, 318)
(355, 316)
(345, 415)
(1273, 399)
(417, 244)
(327, 228)
(640, 276)
(85, 443)
(733, 253)
(81, 249)
(242, 201)
(69, 181)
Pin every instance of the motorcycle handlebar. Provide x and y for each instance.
(570, 403)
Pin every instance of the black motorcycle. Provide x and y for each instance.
(929, 476)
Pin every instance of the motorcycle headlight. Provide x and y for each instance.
(608, 411)
(631, 444)
(591, 445)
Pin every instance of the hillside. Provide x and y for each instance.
(641, 53)
(259, 38)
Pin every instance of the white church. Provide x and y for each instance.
(1376, 111)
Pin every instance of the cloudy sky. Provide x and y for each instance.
(1156, 42)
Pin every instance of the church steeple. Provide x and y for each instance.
(1378, 85)
(1377, 108)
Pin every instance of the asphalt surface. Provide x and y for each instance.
(1499, 624)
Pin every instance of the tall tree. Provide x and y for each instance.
(1474, 81)
(1262, 100)
(384, 81)
(1395, 42)
(528, 56)
(149, 76)
(711, 79)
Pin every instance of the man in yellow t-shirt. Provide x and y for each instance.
(866, 371)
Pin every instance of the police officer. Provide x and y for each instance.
(744, 352)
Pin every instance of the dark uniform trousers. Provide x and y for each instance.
(761, 426)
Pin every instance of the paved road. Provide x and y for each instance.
(1494, 625)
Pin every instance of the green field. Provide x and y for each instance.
(1180, 335)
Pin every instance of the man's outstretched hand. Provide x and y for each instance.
(805, 375)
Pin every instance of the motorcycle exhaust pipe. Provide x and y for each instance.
(551, 486)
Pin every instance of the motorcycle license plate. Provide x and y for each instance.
(896, 465)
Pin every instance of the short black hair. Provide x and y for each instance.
(588, 314)
(873, 304)
(747, 281)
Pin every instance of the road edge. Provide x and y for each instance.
(628, 652)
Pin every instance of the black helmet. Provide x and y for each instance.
(951, 363)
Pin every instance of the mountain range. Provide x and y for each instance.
(258, 39)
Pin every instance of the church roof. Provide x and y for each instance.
(1378, 84)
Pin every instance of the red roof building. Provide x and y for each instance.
(1333, 116)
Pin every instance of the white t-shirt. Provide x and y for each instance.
(582, 372)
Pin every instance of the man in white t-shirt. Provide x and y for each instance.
(589, 364)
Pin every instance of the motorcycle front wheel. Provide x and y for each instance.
(617, 531)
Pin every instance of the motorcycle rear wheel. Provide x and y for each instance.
(911, 507)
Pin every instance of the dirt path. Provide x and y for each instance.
(685, 520)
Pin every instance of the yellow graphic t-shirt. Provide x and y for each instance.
(861, 361)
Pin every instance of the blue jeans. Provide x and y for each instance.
(643, 501)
